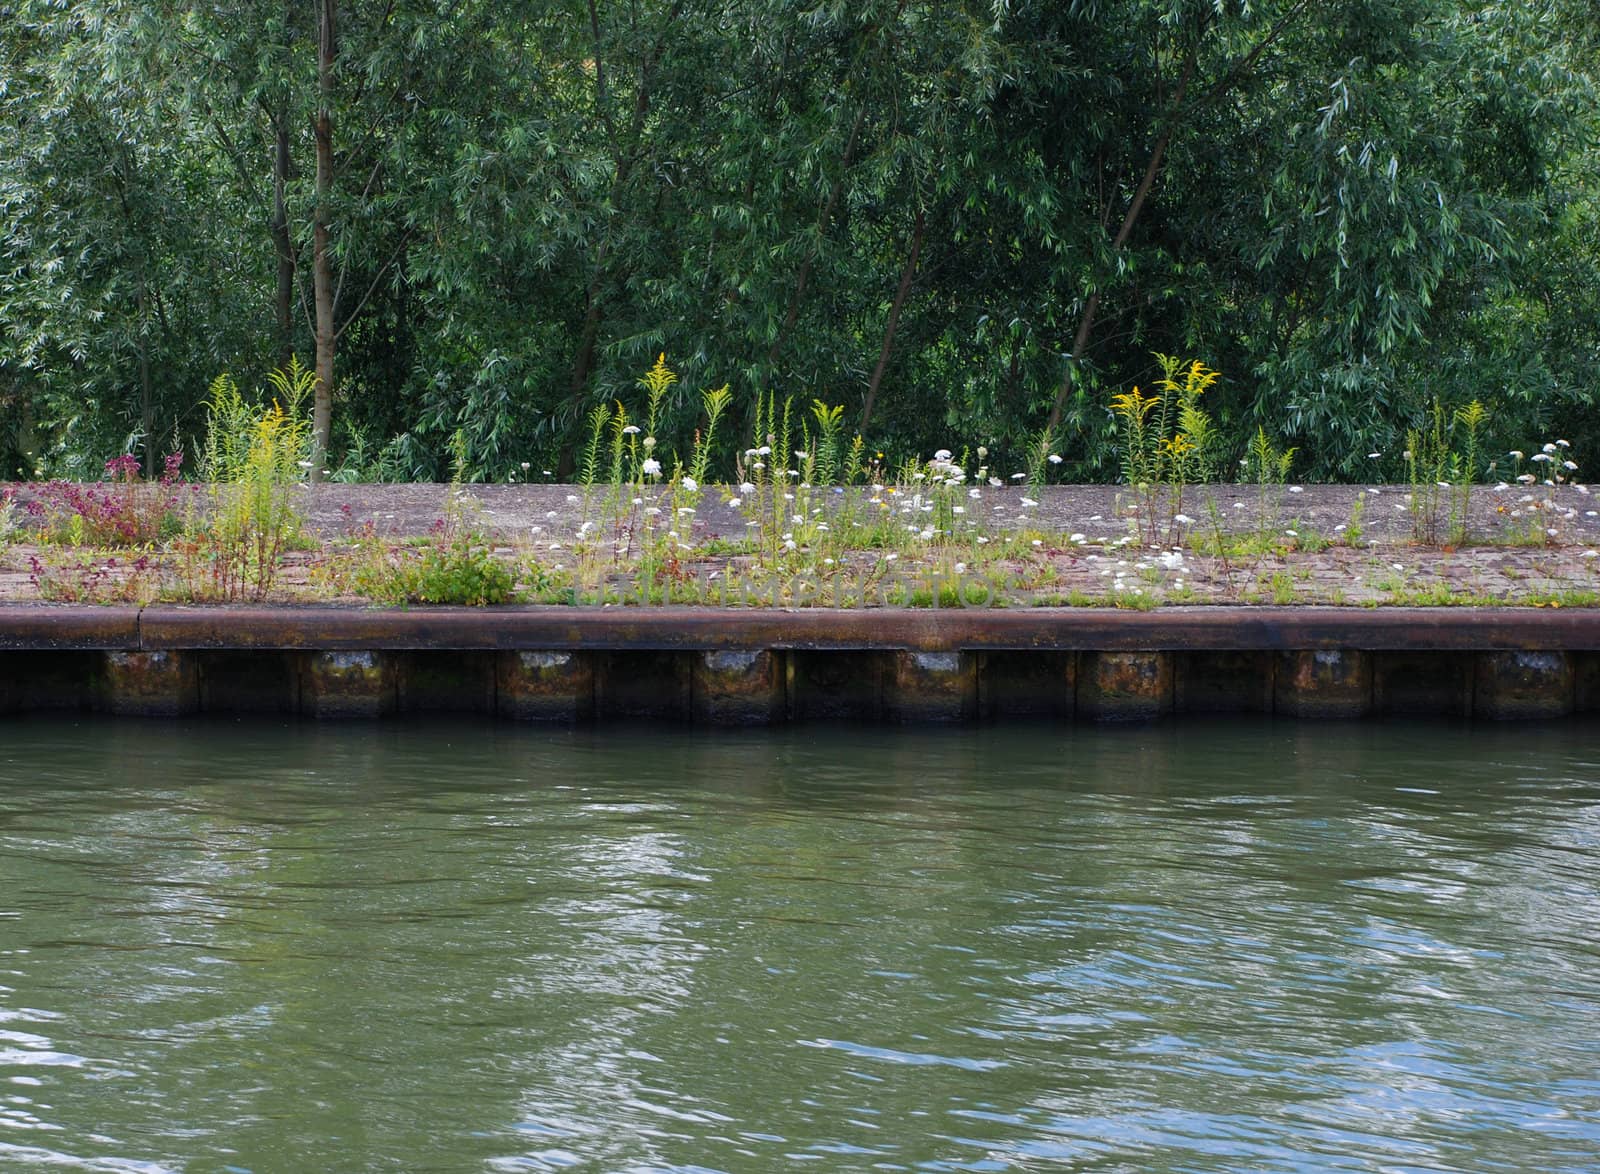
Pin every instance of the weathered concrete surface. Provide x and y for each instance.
(543, 685)
(1323, 683)
(1124, 686)
(931, 687)
(151, 684)
(737, 688)
(347, 684)
(1522, 685)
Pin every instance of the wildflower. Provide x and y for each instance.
(526, 466)
(746, 488)
(975, 493)
(960, 568)
(926, 534)
(982, 452)
(890, 557)
(1372, 456)
(942, 455)
(995, 482)
(631, 430)
(1398, 566)
(764, 451)
(1078, 538)
(649, 443)
(735, 502)
(651, 467)
(1018, 476)
(1037, 542)
(1590, 554)
(1569, 465)
(1517, 452)
(800, 455)
(1183, 519)
(1543, 456)
(1295, 489)
(1547, 449)
(1563, 444)
(690, 484)
(652, 511)
(1028, 501)
(1054, 458)
(572, 499)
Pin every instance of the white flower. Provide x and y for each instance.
(1078, 538)
(649, 443)
(1037, 542)
(1549, 448)
(1372, 456)
(925, 535)
(1517, 452)
(735, 502)
(1543, 456)
(651, 467)
(1569, 464)
(747, 488)
(979, 493)
(526, 466)
(942, 455)
(1018, 476)
(572, 499)
(690, 484)
(1054, 458)
(1398, 566)
(1563, 444)
(1590, 554)
(1526, 478)
(890, 557)
(801, 455)
(1183, 519)
(1295, 489)
(1028, 501)
(631, 430)
(961, 568)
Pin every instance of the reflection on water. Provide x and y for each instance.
(471, 947)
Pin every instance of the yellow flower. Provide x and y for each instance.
(1132, 406)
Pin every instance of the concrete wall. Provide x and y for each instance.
(757, 686)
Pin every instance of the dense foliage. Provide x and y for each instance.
(964, 220)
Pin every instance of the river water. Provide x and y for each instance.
(1200, 946)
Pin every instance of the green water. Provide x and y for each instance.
(1198, 947)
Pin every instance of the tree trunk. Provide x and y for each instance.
(284, 301)
(804, 276)
(321, 262)
(894, 319)
(1135, 206)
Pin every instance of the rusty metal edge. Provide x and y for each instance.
(66, 627)
(34, 626)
